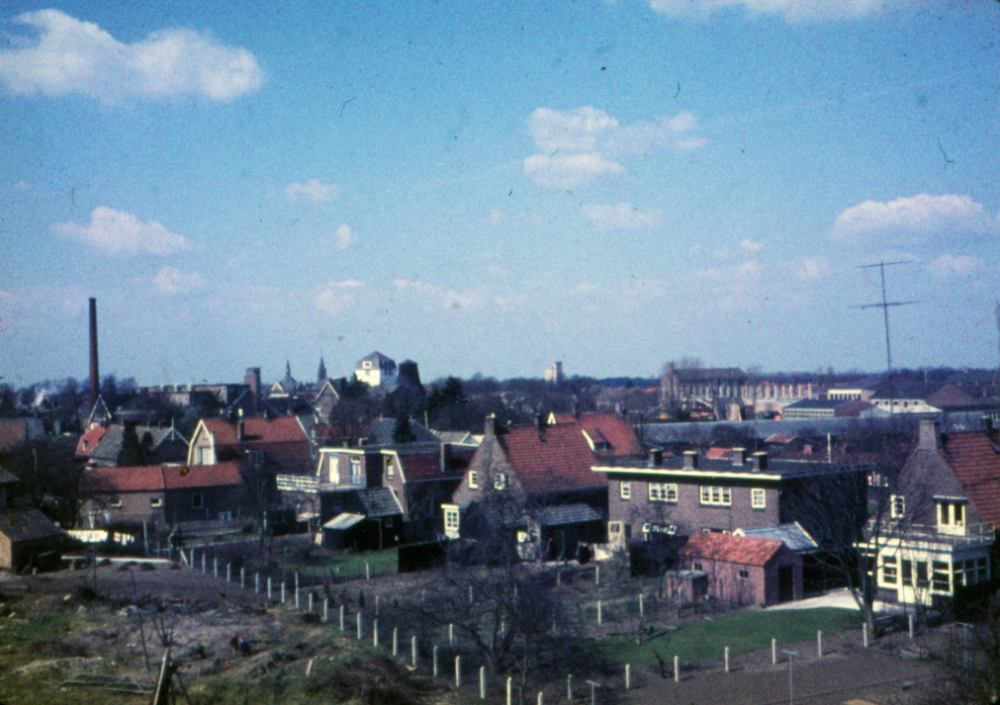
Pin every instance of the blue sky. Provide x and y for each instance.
(493, 186)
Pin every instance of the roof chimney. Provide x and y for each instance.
(690, 460)
(445, 457)
(491, 425)
(928, 438)
(95, 378)
(655, 458)
(759, 461)
(540, 422)
(739, 456)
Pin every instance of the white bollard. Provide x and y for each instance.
(628, 676)
(597, 575)
(726, 656)
(283, 597)
(482, 682)
(229, 572)
(541, 698)
(458, 671)
(774, 651)
(296, 580)
(677, 669)
(203, 570)
(434, 668)
(256, 583)
(413, 651)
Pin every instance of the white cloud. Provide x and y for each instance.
(439, 295)
(170, 281)
(113, 231)
(961, 265)
(569, 170)
(791, 10)
(751, 246)
(908, 221)
(344, 237)
(73, 57)
(620, 217)
(809, 268)
(336, 297)
(312, 190)
(579, 145)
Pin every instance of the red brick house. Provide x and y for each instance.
(281, 443)
(744, 570)
(161, 495)
(523, 472)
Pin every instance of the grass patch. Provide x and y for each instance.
(742, 633)
(352, 565)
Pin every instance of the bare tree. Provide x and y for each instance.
(972, 665)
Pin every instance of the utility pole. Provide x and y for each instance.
(885, 305)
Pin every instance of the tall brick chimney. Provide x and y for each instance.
(95, 377)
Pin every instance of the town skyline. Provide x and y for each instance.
(489, 190)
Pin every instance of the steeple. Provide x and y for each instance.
(288, 368)
(321, 374)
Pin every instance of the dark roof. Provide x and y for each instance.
(26, 525)
(379, 502)
(745, 550)
(551, 459)
(674, 465)
(109, 445)
(7, 477)
(709, 374)
(566, 514)
(379, 432)
(378, 358)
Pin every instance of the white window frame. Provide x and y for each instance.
(474, 479)
(743, 574)
(390, 468)
(625, 490)
(115, 503)
(897, 506)
(758, 498)
(500, 481)
(614, 527)
(715, 496)
(356, 480)
(155, 502)
(663, 492)
(696, 565)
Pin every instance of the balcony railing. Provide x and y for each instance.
(894, 530)
(298, 483)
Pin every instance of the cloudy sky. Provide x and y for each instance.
(493, 186)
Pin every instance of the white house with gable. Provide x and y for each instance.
(376, 369)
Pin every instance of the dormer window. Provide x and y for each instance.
(897, 506)
(951, 515)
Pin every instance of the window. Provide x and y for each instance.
(939, 577)
(696, 566)
(625, 491)
(390, 469)
(356, 471)
(951, 514)
(758, 499)
(716, 496)
(334, 471)
(923, 580)
(500, 481)
(890, 570)
(116, 503)
(473, 479)
(204, 456)
(156, 502)
(614, 527)
(451, 520)
(743, 574)
(983, 573)
(662, 492)
(907, 573)
(225, 516)
(197, 500)
(897, 508)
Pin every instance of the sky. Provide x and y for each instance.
(493, 186)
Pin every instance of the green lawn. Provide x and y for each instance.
(352, 565)
(742, 633)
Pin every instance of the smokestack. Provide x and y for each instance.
(95, 378)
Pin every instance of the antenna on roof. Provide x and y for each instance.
(885, 305)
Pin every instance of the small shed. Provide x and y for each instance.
(372, 520)
(560, 529)
(745, 569)
(687, 586)
(28, 540)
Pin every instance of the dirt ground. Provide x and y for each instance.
(202, 614)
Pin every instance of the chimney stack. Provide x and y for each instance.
(445, 457)
(655, 458)
(95, 377)
(928, 438)
(759, 461)
(690, 460)
(739, 456)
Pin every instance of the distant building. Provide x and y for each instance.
(554, 373)
(376, 370)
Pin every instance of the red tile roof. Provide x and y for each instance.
(607, 427)
(88, 441)
(283, 439)
(159, 478)
(552, 459)
(719, 453)
(427, 466)
(975, 460)
(745, 550)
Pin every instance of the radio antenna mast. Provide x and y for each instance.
(885, 305)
